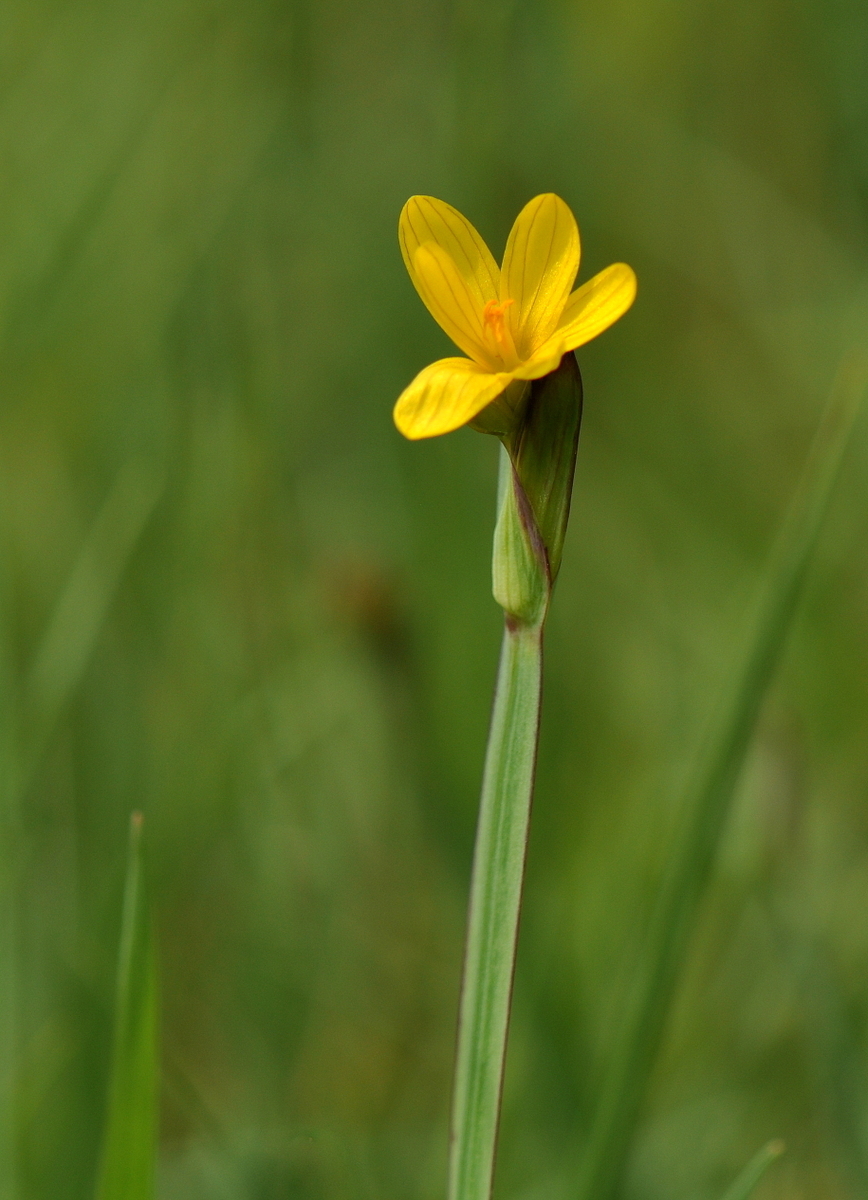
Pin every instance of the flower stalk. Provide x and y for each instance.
(495, 899)
(518, 325)
(536, 478)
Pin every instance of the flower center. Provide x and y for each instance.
(497, 331)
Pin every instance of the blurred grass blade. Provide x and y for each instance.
(754, 1171)
(10, 857)
(707, 801)
(26, 725)
(129, 1147)
(81, 609)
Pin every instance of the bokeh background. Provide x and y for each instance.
(233, 598)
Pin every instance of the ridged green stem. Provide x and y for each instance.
(536, 480)
(495, 897)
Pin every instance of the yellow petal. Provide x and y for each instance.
(430, 223)
(445, 396)
(539, 267)
(452, 302)
(546, 359)
(590, 310)
(596, 305)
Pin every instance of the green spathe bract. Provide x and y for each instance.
(534, 493)
(543, 450)
(130, 1140)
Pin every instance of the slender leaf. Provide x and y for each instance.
(707, 803)
(10, 857)
(129, 1147)
(81, 609)
(27, 722)
(744, 1185)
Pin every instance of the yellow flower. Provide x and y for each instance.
(515, 323)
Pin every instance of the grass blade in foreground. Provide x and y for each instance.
(744, 1185)
(707, 804)
(129, 1149)
(28, 722)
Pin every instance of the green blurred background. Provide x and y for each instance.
(234, 598)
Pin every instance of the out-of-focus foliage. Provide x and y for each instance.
(278, 640)
(128, 1156)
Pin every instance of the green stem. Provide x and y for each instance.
(495, 899)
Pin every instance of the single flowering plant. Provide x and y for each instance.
(514, 322)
